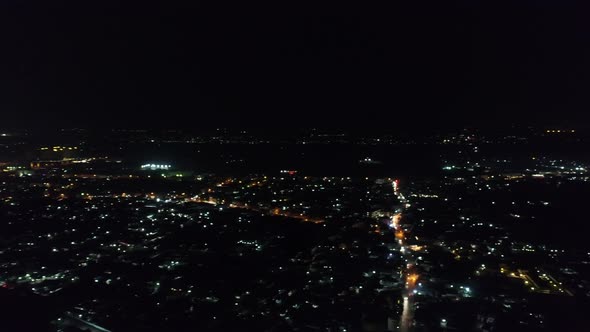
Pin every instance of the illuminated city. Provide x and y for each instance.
(481, 240)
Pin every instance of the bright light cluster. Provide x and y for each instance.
(155, 167)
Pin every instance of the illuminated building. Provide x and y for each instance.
(155, 167)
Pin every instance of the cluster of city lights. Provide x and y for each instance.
(155, 166)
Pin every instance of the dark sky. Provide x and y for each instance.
(414, 64)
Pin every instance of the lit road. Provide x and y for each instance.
(84, 325)
(408, 305)
(275, 211)
(407, 316)
(270, 211)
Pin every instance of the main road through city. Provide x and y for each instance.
(407, 316)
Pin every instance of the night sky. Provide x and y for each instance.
(446, 63)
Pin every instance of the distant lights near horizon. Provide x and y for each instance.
(560, 131)
(154, 167)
